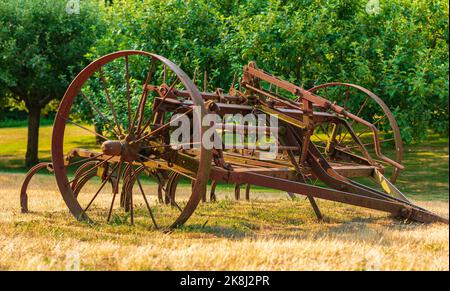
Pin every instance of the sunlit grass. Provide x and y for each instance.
(270, 232)
(13, 144)
(267, 233)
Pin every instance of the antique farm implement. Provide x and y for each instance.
(135, 98)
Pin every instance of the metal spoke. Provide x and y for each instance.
(347, 92)
(111, 106)
(357, 114)
(100, 189)
(116, 188)
(146, 125)
(143, 95)
(371, 143)
(379, 120)
(99, 113)
(364, 131)
(128, 92)
(169, 145)
(205, 81)
(145, 198)
(362, 106)
(165, 74)
(164, 126)
(343, 137)
(195, 75)
(163, 98)
(315, 134)
(87, 129)
(368, 128)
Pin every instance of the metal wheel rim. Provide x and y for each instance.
(386, 110)
(60, 124)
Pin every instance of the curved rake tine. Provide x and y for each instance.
(98, 191)
(84, 174)
(131, 208)
(166, 125)
(164, 189)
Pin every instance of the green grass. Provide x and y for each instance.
(13, 145)
(427, 170)
(22, 123)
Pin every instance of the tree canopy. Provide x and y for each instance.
(42, 47)
(399, 49)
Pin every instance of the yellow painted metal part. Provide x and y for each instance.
(387, 186)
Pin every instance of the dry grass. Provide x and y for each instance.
(268, 233)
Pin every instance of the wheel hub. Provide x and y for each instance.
(128, 149)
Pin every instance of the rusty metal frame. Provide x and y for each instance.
(298, 161)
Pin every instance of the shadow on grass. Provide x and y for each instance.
(62, 224)
(217, 230)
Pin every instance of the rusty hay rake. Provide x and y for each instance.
(323, 148)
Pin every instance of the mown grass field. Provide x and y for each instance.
(270, 232)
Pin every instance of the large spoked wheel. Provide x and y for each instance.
(365, 104)
(108, 109)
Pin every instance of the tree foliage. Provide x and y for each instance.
(399, 51)
(42, 47)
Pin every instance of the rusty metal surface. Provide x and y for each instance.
(204, 157)
(26, 182)
(141, 147)
(386, 110)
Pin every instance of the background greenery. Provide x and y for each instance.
(42, 47)
(399, 51)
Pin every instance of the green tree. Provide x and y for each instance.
(42, 47)
(399, 50)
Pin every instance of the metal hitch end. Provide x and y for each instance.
(112, 148)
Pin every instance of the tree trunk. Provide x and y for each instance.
(31, 157)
